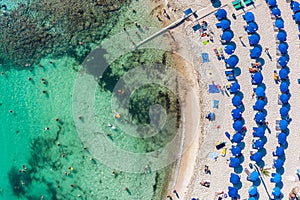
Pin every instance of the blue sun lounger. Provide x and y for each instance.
(231, 78)
(229, 72)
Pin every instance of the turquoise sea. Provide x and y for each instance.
(42, 154)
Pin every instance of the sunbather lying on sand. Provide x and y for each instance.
(205, 183)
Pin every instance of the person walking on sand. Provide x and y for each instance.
(267, 50)
(176, 193)
(170, 198)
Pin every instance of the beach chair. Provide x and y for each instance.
(248, 2)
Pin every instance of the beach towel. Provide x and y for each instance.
(196, 27)
(216, 103)
(205, 57)
(213, 155)
(205, 42)
(213, 89)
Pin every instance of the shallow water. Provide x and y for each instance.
(54, 162)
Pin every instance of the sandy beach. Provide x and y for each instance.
(196, 156)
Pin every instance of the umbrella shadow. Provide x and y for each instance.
(257, 182)
(238, 169)
(280, 170)
(261, 60)
(263, 151)
(237, 71)
(241, 158)
(232, 42)
(285, 145)
(238, 185)
(241, 145)
(240, 94)
(216, 3)
(261, 163)
(279, 185)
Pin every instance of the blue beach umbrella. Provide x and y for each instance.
(237, 138)
(251, 27)
(284, 111)
(259, 105)
(232, 61)
(279, 23)
(257, 157)
(260, 92)
(258, 78)
(248, 17)
(276, 192)
(272, 3)
(281, 36)
(236, 101)
(235, 87)
(260, 132)
(229, 49)
(296, 17)
(254, 39)
(236, 150)
(236, 113)
(227, 36)
(255, 52)
(277, 178)
(283, 73)
(276, 12)
(278, 163)
(282, 61)
(232, 192)
(283, 47)
(258, 144)
(221, 14)
(254, 176)
(234, 179)
(225, 24)
(279, 151)
(283, 124)
(260, 117)
(282, 139)
(237, 125)
(234, 162)
(284, 98)
(284, 87)
(252, 190)
(295, 6)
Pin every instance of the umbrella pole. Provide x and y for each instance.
(261, 178)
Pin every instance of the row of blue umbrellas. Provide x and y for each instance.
(295, 6)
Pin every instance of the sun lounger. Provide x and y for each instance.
(236, 2)
(248, 2)
(231, 78)
(279, 101)
(217, 53)
(229, 72)
(247, 172)
(221, 52)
